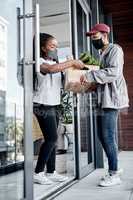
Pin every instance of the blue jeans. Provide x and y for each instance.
(107, 132)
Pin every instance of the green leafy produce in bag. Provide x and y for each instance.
(88, 59)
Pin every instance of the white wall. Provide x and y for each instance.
(50, 7)
(55, 20)
(60, 31)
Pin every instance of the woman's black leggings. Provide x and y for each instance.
(47, 119)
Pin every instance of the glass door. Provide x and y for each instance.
(83, 106)
(55, 19)
(15, 101)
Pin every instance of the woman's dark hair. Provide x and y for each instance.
(44, 38)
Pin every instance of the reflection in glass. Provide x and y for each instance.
(84, 99)
(11, 107)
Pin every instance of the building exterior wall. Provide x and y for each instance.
(122, 24)
(126, 117)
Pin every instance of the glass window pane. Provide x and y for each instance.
(84, 99)
(55, 20)
(11, 106)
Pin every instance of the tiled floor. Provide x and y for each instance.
(11, 185)
(88, 189)
(40, 191)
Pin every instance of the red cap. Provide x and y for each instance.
(98, 28)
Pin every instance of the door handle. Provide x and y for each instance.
(36, 15)
(37, 39)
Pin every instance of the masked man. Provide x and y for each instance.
(112, 96)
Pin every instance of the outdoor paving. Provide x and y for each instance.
(87, 188)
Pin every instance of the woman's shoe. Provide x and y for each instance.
(56, 177)
(41, 178)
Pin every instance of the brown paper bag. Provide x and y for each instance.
(72, 79)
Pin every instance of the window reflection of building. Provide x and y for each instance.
(11, 115)
(3, 53)
(3, 68)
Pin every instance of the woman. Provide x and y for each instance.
(45, 99)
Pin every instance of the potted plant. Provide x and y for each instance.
(65, 127)
(65, 119)
(65, 110)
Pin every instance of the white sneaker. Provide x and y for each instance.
(119, 173)
(110, 180)
(42, 179)
(57, 177)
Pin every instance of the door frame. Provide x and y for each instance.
(28, 93)
(81, 172)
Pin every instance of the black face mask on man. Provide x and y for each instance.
(98, 44)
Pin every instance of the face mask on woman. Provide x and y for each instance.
(98, 44)
(53, 55)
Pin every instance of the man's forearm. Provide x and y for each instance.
(103, 76)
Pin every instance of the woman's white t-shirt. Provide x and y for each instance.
(49, 87)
